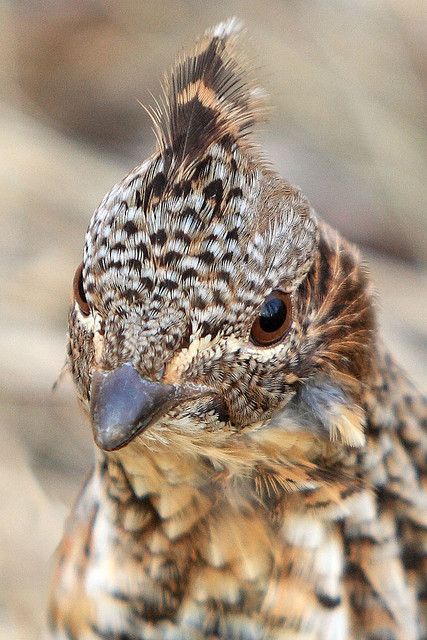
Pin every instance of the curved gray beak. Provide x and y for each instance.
(123, 404)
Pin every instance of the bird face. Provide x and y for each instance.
(207, 297)
(192, 285)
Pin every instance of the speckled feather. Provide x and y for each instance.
(290, 503)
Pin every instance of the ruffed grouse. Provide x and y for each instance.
(261, 461)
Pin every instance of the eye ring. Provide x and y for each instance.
(79, 292)
(274, 319)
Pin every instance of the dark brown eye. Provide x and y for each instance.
(274, 319)
(79, 293)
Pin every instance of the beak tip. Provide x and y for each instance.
(108, 444)
(107, 439)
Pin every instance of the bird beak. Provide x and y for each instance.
(123, 404)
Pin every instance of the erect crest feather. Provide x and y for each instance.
(206, 98)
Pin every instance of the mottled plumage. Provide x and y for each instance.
(267, 492)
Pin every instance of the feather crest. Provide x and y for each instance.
(206, 98)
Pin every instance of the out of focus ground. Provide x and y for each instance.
(348, 86)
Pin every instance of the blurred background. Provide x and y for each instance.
(348, 86)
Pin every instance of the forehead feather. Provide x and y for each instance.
(204, 236)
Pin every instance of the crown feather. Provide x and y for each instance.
(206, 98)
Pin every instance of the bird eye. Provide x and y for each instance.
(79, 293)
(273, 320)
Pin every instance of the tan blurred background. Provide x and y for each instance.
(348, 85)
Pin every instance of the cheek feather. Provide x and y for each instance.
(204, 353)
(86, 321)
(98, 344)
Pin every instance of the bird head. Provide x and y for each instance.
(211, 307)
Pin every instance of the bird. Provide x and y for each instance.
(260, 458)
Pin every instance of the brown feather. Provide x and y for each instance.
(207, 98)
